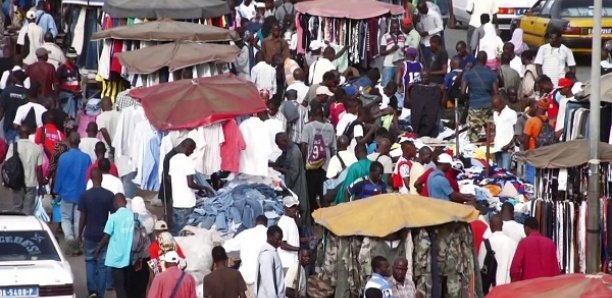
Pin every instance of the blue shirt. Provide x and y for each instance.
(46, 22)
(480, 81)
(97, 203)
(120, 229)
(438, 186)
(469, 58)
(71, 172)
(449, 81)
(378, 281)
(366, 188)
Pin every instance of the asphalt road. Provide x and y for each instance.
(78, 264)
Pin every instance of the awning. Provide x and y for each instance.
(350, 9)
(176, 56)
(167, 30)
(385, 214)
(187, 104)
(564, 155)
(605, 86)
(174, 9)
(96, 3)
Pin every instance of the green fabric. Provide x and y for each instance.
(355, 171)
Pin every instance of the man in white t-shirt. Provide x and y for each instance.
(391, 47)
(504, 118)
(565, 89)
(476, 8)
(88, 144)
(288, 250)
(553, 58)
(342, 160)
(182, 179)
(109, 182)
(511, 228)
(107, 120)
(382, 156)
(246, 11)
(22, 111)
(321, 66)
(404, 165)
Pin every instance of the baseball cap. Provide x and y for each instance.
(40, 52)
(290, 201)
(445, 158)
(322, 90)
(31, 14)
(171, 257)
(71, 53)
(565, 83)
(161, 225)
(316, 45)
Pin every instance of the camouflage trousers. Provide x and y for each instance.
(477, 119)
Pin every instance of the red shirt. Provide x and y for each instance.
(154, 250)
(113, 170)
(450, 175)
(478, 230)
(335, 110)
(231, 148)
(163, 284)
(52, 136)
(43, 73)
(535, 256)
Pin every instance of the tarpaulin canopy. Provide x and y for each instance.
(188, 104)
(176, 55)
(605, 87)
(167, 30)
(568, 285)
(564, 155)
(174, 9)
(97, 3)
(349, 9)
(382, 215)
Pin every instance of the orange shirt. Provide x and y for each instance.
(533, 126)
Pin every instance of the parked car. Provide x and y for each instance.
(31, 261)
(573, 17)
(508, 11)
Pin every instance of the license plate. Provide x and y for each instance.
(19, 292)
(603, 30)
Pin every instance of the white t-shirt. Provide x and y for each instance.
(318, 69)
(504, 248)
(402, 167)
(479, 7)
(517, 64)
(335, 167)
(108, 120)
(88, 146)
(385, 160)
(249, 12)
(343, 122)
(291, 235)
(181, 166)
(388, 41)
(110, 183)
(416, 171)
(554, 61)
(291, 279)
(23, 110)
(560, 124)
(514, 230)
(504, 127)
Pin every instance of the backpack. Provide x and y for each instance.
(289, 17)
(140, 242)
(317, 155)
(547, 135)
(349, 131)
(30, 119)
(489, 270)
(13, 175)
(396, 179)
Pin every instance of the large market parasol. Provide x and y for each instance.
(569, 285)
(176, 55)
(174, 9)
(384, 214)
(350, 9)
(167, 30)
(187, 104)
(564, 155)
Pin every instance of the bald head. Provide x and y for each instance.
(496, 223)
(299, 75)
(342, 142)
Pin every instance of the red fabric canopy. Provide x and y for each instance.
(570, 285)
(349, 9)
(188, 104)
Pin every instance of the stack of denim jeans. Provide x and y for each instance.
(236, 208)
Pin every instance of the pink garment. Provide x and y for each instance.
(493, 64)
(300, 33)
(83, 120)
(230, 149)
(163, 284)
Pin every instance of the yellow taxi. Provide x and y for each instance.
(573, 17)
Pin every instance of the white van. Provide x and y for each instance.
(508, 10)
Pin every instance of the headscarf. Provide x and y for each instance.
(137, 205)
(490, 42)
(517, 41)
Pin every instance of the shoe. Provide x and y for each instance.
(93, 295)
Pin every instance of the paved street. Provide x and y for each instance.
(78, 267)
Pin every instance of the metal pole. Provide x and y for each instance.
(593, 229)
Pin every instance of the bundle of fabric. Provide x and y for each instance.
(235, 208)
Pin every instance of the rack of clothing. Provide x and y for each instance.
(576, 121)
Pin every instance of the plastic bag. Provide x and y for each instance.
(39, 210)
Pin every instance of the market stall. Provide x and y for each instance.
(178, 10)
(569, 285)
(354, 23)
(560, 200)
(433, 235)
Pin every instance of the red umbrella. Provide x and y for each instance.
(188, 104)
(350, 9)
(562, 286)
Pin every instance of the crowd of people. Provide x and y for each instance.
(342, 133)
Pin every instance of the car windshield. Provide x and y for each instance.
(582, 9)
(27, 246)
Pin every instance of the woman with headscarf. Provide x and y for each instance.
(492, 45)
(517, 40)
(140, 277)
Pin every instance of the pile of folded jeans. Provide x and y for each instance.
(235, 208)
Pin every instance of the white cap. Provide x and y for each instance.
(445, 158)
(316, 45)
(323, 90)
(290, 201)
(31, 14)
(161, 225)
(171, 257)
